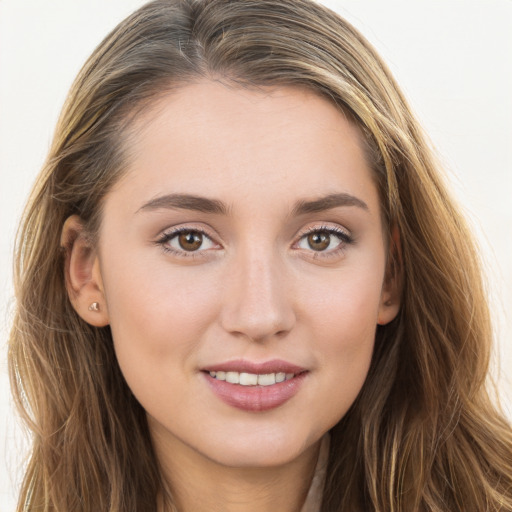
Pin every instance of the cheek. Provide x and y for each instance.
(348, 337)
(347, 305)
(157, 316)
(343, 324)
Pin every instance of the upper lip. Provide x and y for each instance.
(266, 367)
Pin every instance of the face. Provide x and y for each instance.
(242, 263)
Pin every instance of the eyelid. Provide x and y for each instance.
(334, 229)
(170, 233)
(331, 228)
(342, 233)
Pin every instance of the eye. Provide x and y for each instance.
(324, 240)
(186, 240)
(189, 240)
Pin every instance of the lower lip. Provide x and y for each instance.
(256, 398)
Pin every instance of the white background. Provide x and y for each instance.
(453, 58)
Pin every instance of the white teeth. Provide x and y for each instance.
(267, 380)
(232, 377)
(252, 379)
(248, 379)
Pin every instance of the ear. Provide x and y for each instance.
(392, 287)
(82, 273)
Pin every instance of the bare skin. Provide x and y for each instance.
(200, 486)
(246, 230)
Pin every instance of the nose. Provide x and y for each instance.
(257, 299)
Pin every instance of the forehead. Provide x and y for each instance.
(246, 144)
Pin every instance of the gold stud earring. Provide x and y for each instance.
(95, 306)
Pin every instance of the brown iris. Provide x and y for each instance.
(319, 241)
(190, 240)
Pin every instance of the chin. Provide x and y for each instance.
(261, 448)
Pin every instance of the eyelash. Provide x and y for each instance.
(345, 239)
(166, 237)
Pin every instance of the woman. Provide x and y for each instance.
(242, 284)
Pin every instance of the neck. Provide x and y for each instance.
(198, 484)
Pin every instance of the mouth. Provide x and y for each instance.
(252, 379)
(255, 387)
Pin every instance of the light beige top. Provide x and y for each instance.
(314, 497)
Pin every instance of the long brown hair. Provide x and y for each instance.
(423, 434)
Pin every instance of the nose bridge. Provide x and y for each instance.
(257, 302)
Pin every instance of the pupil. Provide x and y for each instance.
(190, 241)
(319, 241)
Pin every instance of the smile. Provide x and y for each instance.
(255, 387)
(252, 379)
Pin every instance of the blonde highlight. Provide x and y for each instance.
(423, 435)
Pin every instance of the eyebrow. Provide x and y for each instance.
(186, 202)
(214, 206)
(327, 203)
